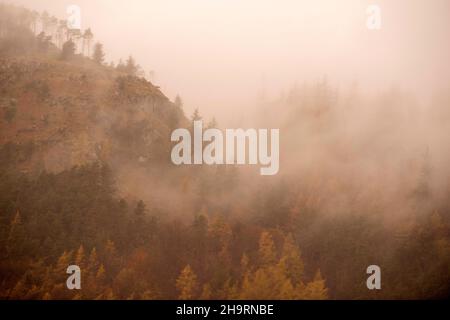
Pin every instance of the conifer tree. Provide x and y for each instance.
(87, 38)
(206, 292)
(98, 55)
(140, 209)
(187, 284)
(212, 124)
(68, 50)
(131, 67)
(16, 237)
(196, 115)
(292, 260)
(93, 261)
(316, 289)
(266, 251)
(80, 258)
(178, 102)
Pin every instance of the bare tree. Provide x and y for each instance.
(45, 21)
(61, 33)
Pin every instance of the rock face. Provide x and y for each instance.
(80, 112)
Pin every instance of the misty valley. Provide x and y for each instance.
(269, 176)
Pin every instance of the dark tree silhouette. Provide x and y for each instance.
(99, 54)
(68, 50)
(87, 38)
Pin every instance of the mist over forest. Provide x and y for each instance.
(86, 177)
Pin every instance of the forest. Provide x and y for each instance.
(141, 228)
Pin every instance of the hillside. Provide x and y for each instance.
(74, 113)
(86, 179)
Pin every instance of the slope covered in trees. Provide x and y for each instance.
(86, 179)
(126, 251)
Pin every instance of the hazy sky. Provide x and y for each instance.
(219, 54)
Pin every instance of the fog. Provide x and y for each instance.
(221, 56)
(363, 118)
